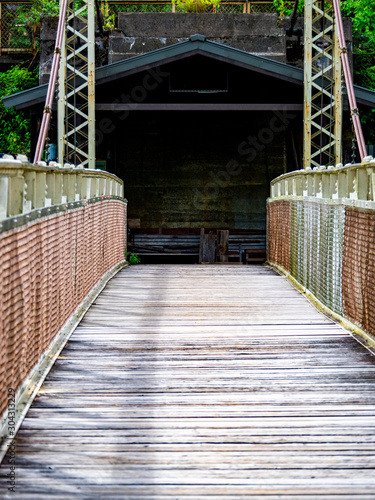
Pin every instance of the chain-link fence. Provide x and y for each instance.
(17, 33)
(110, 8)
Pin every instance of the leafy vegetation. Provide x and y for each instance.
(196, 5)
(132, 258)
(15, 125)
(285, 7)
(39, 9)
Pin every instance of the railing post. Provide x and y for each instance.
(352, 184)
(362, 184)
(40, 189)
(70, 187)
(29, 192)
(4, 190)
(334, 186)
(15, 194)
(50, 189)
(343, 185)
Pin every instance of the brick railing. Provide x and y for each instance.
(65, 229)
(321, 233)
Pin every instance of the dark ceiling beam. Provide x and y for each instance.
(198, 107)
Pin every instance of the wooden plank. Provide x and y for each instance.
(202, 382)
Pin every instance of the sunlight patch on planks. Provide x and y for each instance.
(186, 381)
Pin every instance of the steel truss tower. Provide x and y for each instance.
(323, 86)
(76, 104)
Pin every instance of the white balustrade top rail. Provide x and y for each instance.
(25, 187)
(351, 185)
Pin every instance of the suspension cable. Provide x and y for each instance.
(349, 81)
(51, 84)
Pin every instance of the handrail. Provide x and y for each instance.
(25, 187)
(353, 183)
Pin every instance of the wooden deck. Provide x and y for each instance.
(196, 382)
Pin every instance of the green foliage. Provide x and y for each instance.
(196, 5)
(132, 258)
(15, 125)
(39, 8)
(285, 7)
(108, 16)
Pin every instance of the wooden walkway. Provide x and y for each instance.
(202, 382)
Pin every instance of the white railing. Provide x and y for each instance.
(321, 236)
(25, 187)
(353, 185)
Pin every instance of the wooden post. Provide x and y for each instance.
(222, 246)
(207, 247)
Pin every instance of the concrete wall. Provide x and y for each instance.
(188, 169)
(142, 32)
(138, 33)
(259, 33)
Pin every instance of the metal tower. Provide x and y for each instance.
(323, 87)
(76, 103)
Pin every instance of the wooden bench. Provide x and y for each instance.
(165, 244)
(248, 246)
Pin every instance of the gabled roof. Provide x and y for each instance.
(197, 44)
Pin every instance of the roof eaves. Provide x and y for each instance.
(364, 95)
(258, 63)
(143, 61)
(26, 98)
(196, 44)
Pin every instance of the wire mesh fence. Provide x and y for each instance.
(17, 33)
(110, 9)
(317, 239)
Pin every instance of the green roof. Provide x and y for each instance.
(197, 44)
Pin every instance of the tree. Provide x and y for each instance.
(15, 125)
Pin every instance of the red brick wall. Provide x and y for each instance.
(47, 268)
(278, 233)
(358, 273)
